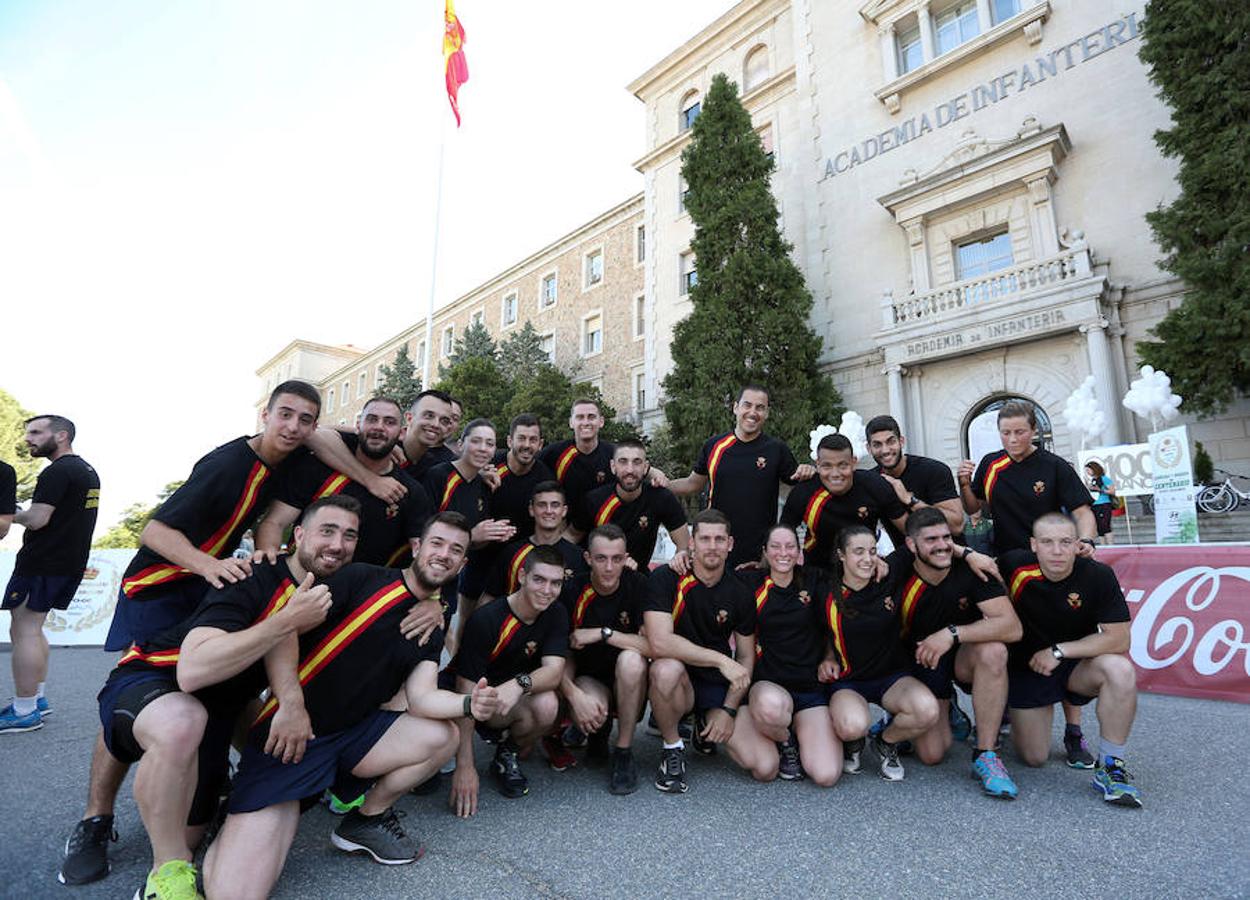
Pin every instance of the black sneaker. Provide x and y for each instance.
(624, 778)
(381, 836)
(597, 743)
(86, 851)
(852, 756)
(672, 777)
(789, 768)
(573, 737)
(508, 775)
(701, 746)
(891, 768)
(1077, 750)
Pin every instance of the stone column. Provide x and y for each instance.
(985, 18)
(889, 52)
(1104, 377)
(928, 43)
(898, 407)
(1042, 214)
(916, 441)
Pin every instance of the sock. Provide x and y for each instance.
(24, 706)
(976, 753)
(679, 745)
(39, 690)
(1071, 730)
(1106, 749)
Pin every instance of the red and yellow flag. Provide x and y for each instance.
(455, 66)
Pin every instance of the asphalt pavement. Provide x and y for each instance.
(932, 835)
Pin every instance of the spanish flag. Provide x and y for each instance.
(454, 63)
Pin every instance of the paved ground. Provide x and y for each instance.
(932, 835)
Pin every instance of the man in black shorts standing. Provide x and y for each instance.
(607, 670)
(1076, 635)
(517, 644)
(743, 470)
(50, 565)
(917, 480)
(689, 619)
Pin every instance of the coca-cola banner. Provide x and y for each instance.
(1191, 617)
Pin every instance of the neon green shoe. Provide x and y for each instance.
(341, 808)
(174, 880)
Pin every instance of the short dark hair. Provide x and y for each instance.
(836, 443)
(882, 423)
(852, 531)
(56, 423)
(631, 444)
(382, 399)
(436, 394)
(925, 517)
(543, 554)
(1053, 518)
(608, 532)
(335, 501)
(455, 401)
(753, 386)
(1016, 409)
(297, 388)
(451, 519)
(476, 423)
(524, 420)
(585, 401)
(549, 487)
(710, 516)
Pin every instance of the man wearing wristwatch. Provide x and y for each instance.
(517, 643)
(1076, 635)
(957, 624)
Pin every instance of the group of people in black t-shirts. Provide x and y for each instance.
(405, 596)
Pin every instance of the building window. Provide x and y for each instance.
(689, 111)
(507, 314)
(346, 396)
(363, 389)
(592, 334)
(1005, 9)
(548, 344)
(478, 318)
(755, 69)
(420, 360)
(449, 339)
(594, 268)
(547, 291)
(910, 52)
(377, 377)
(640, 316)
(640, 243)
(330, 401)
(956, 25)
(688, 275)
(766, 141)
(640, 391)
(683, 193)
(981, 256)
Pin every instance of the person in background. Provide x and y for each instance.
(1103, 489)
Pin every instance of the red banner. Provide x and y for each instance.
(1191, 617)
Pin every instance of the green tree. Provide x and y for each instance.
(475, 343)
(1198, 55)
(522, 354)
(125, 534)
(750, 304)
(13, 449)
(546, 392)
(400, 379)
(480, 387)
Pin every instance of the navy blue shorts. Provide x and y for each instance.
(942, 679)
(263, 781)
(1027, 689)
(40, 593)
(135, 621)
(802, 696)
(871, 689)
(709, 692)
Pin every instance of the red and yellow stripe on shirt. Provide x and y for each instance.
(834, 616)
(564, 461)
(991, 475)
(341, 637)
(1021, 578)
(511, 626)
(514, 567)
(332, 485)
(163, 572)
(583, 603)
(608, 510)
(911, 599)
(449, 490)
(713, 461)
(761, 597)
(811, 515)
(679, 604)
(155, 658)
(502, 470)
(279, 599)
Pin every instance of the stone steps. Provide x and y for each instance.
(1227, 527)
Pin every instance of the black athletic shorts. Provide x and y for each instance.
(871, 689)
(1027, 689)
(40, 593)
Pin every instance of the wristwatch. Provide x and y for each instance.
(1093, 543)
(1056, 652)
(911, 504)
(526, 683)
(954, 630)
(468, 707)
(607, 633)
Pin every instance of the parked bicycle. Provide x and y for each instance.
(1223, 497)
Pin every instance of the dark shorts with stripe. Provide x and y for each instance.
(1027, 689)
(40, 593)
(157, 608)
(871, 689)
(263, 781)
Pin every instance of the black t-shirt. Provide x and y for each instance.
(1018, 493)
(227, 488)
(620, 611)
(435, 456)
(505, 574)
(62, 546)
(864, 626)
(869, 501)
(500, 646)
(743, 482)
(385, 530)
(639, 518)
(511, 499)
(8, 489)
(955, 600)
(789, 639)
(703, 614)
(928, 480)
(357, 659)
(1053, 612)
(448, 489)
(579, 473)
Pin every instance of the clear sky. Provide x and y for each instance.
(187, 186)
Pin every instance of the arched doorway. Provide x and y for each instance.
(980, 431)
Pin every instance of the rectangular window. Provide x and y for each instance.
(346, 396)
(682, 193)
(766, 141)
(420, 360)
(330, 401)
(592, 334)
(549, 346)
(1005, 9)
(956, 25)
(507, 314)
(688, 275)
(363, 388)
(594, 268)
(640, 391)
(983, 255)
(640, 316)
(449, 339)
(688, 115)
(910, 52)
(547, 296)
(377, 376)
(478, 318)
(640, 244)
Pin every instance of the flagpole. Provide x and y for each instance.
(438, 212)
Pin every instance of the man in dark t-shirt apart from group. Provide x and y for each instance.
(50, 565)
(918, 481)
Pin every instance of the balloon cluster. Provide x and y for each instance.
(1082, 413)
(1151, 397)
(852, 427)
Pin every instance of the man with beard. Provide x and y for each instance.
(917, 480)
(345, 670)
(172, 702)
(50, 565)
(634, 506)
(958, 625)
(582, 463)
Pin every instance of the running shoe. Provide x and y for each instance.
(508, 775)
(672, 777)
(624, 777)
(1116, 784)
(342, 807)
(891, 768)
(380, 836)
(86, 851)
(852, 756)
(701, 745)
(174, 880)
(789, 768)
(12, 723)
(989, 768)
(1079, 756)
(573, 737)
(43, 706)
(558, 756)
(961, 725)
